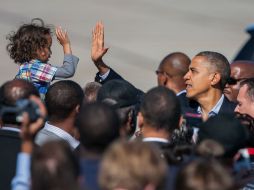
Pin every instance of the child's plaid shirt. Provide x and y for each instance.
(40, 74)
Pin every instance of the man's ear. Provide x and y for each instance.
(215, 78)
(140, 119)
(77, 109)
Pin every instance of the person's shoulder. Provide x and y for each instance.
(227, 106)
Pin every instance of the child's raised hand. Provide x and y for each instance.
(63, 39)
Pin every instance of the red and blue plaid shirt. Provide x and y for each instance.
(40, 74)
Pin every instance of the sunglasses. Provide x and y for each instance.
(233, 81)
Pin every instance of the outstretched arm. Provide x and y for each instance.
(98, 50)
(63, 39)
(70, 61)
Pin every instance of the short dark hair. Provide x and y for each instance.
(62, 98)
(227, 131)
(54, 166)
(220, 63)
(16, 89)
(250, 90)
(24, 43)
(98, 126)
(161, 108)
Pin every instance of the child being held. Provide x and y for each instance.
(30, 48)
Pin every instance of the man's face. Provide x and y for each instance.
(232, 88)
(198, 78)
(245, 104)
(169, 77)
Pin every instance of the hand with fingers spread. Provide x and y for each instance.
(63, 39)
(98, 49)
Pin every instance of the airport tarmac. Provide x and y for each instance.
(139, 33)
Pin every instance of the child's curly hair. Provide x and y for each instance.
(27, 40)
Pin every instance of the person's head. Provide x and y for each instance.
(30, 41)
(90, 91)
(160, 110)
(171, 71)
(203, 174)
(54, 166)
(62, 99)
(98, 125)
(240, 70)
(132, 165)
(226, 130)
(245, 98)
(16, 89)
(208, 71)
(124, 98)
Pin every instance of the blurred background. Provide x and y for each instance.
(139, 33)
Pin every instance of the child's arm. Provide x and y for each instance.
(70, 61)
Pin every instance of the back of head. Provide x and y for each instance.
(245, 69)
(54, 166)
(226, 130)
(27, 40)
(98, 126)
(62, 98)
(132, 165)
(177, 60)
(13, 90)
(90, 91)
(120, 91)
(217, 63)
(161, 109)
(199, 175)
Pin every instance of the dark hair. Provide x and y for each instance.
(24, 43)
(220, 64)
(54, 166)
(16, 89)
(250, 90)
(62, 98)
(204, 174)
(98, 126)
(161, 108)
(226, 130)
(124, 97)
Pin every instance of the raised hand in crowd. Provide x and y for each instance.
(98, 50)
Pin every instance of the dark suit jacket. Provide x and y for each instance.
(112, 75)
(10, 143)
(227, 106)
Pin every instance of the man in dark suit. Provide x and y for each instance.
(10, 141)
(207, 76)
(159, 116)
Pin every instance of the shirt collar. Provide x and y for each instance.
(181, 92)
(62, 134)
(10, 129)
(215, 109)
(156, 139)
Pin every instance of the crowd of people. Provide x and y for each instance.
(194, 131)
